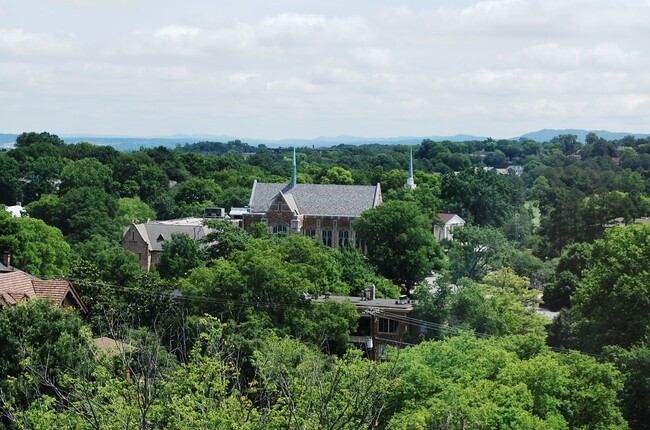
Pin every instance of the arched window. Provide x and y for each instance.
(326, 237)
(280, 228)
(344, 238)
(310, 232)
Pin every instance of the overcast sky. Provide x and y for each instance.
(303, 69)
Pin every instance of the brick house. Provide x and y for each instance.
(322, 211)
(16, 285)
(146, 240)
(382, 322)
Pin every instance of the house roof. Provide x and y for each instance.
(16, 285)
(317, 199)
(112, 347)
(155, 233)
(16, 210)
(379, 304)
(446, 217)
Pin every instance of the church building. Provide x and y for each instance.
(323, 211)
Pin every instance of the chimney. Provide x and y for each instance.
(371, 295)
(6, 258)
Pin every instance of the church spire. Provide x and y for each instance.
(410, 182)
(293, 173)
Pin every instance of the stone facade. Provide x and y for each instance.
(325, 212)
(146, 240)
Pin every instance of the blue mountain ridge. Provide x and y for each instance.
(126, 143)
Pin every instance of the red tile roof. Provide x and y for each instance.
(16, 285)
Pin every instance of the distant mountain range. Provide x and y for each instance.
(133, 143)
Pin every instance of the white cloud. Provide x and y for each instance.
(294, 69)
(611, 55)
(19, 41)
(176, 32)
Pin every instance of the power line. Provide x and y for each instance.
(454, 331)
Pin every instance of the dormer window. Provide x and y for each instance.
(160, 238)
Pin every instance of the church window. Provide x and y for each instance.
(280, 229)
(344, 237)
(310, 232)
(326, 237)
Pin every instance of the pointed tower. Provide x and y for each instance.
(410, 182)
(293, 172)
(292, 184)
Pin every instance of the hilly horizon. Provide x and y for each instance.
(127, 143)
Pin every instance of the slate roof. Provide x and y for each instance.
(317, 199)
(155, 233)
(16, 285)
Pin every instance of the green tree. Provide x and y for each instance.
(197, 190)
(612, 302)
(132, 210)
(40, 344)
(42, 175)
(481, 197)
(30, 138)
(224, 238)
(399, 241)
(561, 224)
(88, 211)
(634, 365)
(36, 248)
(567, 143)
(572, 263)
(10, 186)
(337, 175)
(87, 172)
(475, 251)
(180, 255)
(512, 382)
(111, 263)
(358, 273)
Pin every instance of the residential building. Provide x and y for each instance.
(382, 322)
(16, 285)
(448, 222)
(146, 239)
(16, 210)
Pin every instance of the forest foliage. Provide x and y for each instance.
(223, 333)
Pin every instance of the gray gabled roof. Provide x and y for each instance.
(317, 199)
(155, 233)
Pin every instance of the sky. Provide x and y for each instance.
(303, 69)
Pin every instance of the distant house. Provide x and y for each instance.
(444, 230)
(322, 211)
(16, 285)
(146, 240)
(382, 322)
(516, 170)
(16, 210)
(111, 347)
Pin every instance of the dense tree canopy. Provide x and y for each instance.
(399, 241)
(544, 217)
(612, 301)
